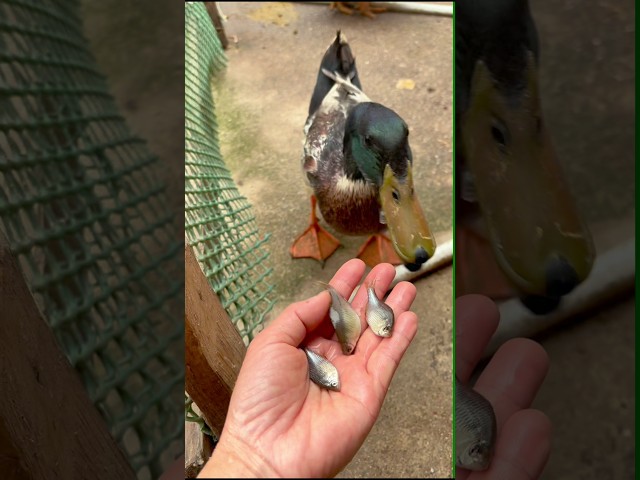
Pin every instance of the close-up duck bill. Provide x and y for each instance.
(537, 234)
(410, 234)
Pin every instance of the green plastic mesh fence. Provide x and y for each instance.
(219, 224)
(84, 211)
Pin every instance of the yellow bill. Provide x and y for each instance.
(536, 232)
(410, 233)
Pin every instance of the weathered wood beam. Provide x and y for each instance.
(47, 420)
(214, 349)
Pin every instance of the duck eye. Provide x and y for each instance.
(368, 141)
(396, 196)
(499, 133)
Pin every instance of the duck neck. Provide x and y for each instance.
(360, 163)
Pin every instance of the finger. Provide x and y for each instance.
(385, 359)
(325, 347)
(513, 376)
(401, 297)
(400, 300)
(348, 277)
(522, 449)
(298, 319)
(477, 318)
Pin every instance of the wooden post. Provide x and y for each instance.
(198, 448)
(47, 421)
(216, 18)
(214, 349)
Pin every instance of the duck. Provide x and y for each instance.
(518, 230)
(358, 162)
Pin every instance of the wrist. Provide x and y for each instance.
(234, 459)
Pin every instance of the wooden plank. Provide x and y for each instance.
(47, 417)
(9, 458)
(213, 348)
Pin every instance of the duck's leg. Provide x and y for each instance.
(476, 268)
(378, 249)
(368, 11)
(315, 241)
(342, 7)
(364, 8)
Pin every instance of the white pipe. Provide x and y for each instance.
(613, 274)
(410, 7)
(443, 256)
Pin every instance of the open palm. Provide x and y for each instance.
(279, 422)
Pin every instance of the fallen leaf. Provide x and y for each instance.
(405, 84)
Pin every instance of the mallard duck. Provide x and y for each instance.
(358, 162)
(530, 239)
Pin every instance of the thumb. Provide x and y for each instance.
(298, 319)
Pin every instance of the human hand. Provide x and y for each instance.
(510, 382)
(279, 423)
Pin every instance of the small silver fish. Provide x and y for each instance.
(379, 314)
(475, 429)
(322, 372)
(345, 320)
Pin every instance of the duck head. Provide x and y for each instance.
(537, 235)
(376, 149)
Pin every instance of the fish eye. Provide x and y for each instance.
(477, 451)
(395, 195)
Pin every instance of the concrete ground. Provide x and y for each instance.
(274, 55)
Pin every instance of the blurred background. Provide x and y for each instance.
(588, 94)
(91, 205)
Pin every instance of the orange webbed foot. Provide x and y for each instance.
(342, 7)
(368, 11)
(315, 242)
(378, 249)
